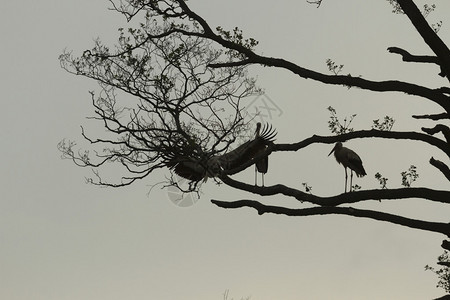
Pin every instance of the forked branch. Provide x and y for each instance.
(408, 57)
(439, 128)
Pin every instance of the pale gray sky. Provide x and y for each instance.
(63, 239)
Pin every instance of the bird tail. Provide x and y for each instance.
(361, 172)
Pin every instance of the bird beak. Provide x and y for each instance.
(332, 150)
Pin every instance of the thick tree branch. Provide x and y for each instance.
(377, 86)
(346, 198)
(441, 166)
(445, 245)
(444, 263)
(231, 64)
(443, 146)
(444, 90)
(443, 228)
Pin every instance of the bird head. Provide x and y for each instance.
(258, 129)
(336, 147)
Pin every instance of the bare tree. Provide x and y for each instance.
(174, 87)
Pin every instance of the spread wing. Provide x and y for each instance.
(186, 167)
(248, 150)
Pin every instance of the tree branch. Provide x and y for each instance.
(445, 245)
(406, 56)
(443, 228)
(441, 166)
(439, 128)
(231, 64)
(346, 80)
(429, 36)
(346, 198)
(443, 146)
(434, 117)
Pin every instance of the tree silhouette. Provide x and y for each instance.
(175, 87)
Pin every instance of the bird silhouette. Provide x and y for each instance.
(349, 159)
(196, 169)
(250, 150)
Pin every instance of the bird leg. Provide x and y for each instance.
(346, 176)
(262, 179)
(256, 176)
(351, 180)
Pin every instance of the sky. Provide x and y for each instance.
(61, 238)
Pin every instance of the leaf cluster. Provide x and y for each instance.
(385, 125)
(409, 176)
(333, 67)
(336, 126)
(236, 36)
(381, 180)
(442, 273)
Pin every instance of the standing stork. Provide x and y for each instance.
(195, 169)
(349, 159)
